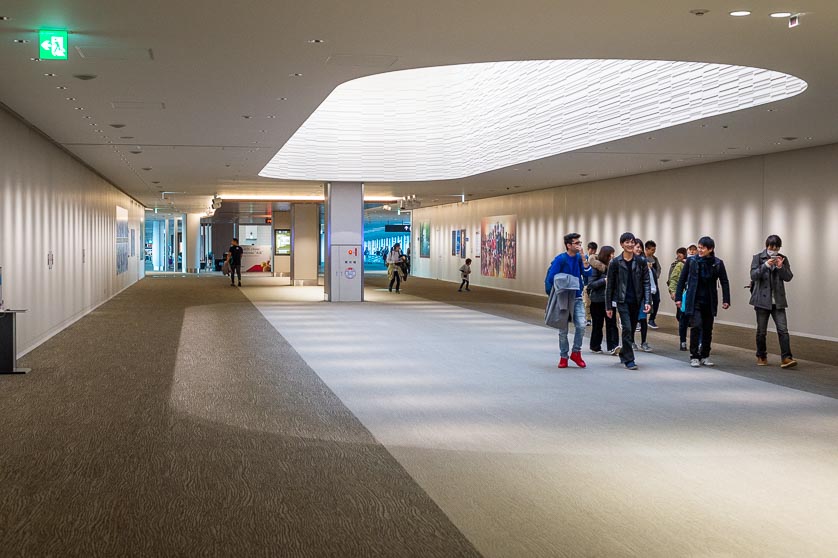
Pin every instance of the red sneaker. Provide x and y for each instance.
(577, 358)
(562, 362)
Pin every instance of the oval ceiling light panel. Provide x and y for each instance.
(451, 122)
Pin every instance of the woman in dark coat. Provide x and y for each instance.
(596, 292)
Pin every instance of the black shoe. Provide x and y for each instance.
(240, 283)
(232, 284)
(653, 325)
(469, 290)
(459, 290)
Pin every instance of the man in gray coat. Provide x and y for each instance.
(770, 271)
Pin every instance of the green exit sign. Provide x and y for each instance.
(52, 44)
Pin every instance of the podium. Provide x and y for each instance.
(8, 343)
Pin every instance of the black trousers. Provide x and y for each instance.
(598, 318)
(464, 284)
(701, 330)
(682, 325)
(396, 279)
(235, 269)
(656, 303)
(628, 320)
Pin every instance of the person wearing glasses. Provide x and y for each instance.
(572, 265)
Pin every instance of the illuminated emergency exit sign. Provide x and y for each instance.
(52, 44)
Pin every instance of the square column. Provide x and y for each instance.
(344, 279)
(305, 240)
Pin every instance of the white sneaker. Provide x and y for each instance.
(694, 362)
(615, 351)
(707, 362)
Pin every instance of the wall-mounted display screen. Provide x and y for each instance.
(283, 242)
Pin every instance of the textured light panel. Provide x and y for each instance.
(456, 121)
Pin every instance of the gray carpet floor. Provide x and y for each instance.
(175, 421)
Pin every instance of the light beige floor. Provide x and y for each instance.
(528, 460)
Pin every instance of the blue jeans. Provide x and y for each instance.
(578, 318)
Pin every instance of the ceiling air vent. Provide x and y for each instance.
(137, 105)
(111, 53)
(362, 60)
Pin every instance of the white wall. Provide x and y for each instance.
(50, 202)
(738, 203)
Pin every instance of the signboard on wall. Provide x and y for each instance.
(256, 258)
(397, 228)
(282, 241)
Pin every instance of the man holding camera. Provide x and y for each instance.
(770, 271)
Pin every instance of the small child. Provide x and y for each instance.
(465, 271)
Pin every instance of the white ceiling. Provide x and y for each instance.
(205, 65)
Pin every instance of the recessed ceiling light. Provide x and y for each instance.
(50, 74)
(583, 174)
(271, 116)
(98, 131)
(155, 182)
(35, 59)
(71, 99)
(21, 41)
(79, 108)
(146, 168)
(5, 18)
(781, 14)
(770, 110)
(295, 74)
(85, 77)
(810, 138)
(740, 13)
(116, 125)
(316, 41)
(282, 98)
(62, 87)
(247, 116)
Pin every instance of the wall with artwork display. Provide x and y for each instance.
(738, 203)
(65, 234)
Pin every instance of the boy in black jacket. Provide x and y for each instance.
(699, 277)
(627, 288)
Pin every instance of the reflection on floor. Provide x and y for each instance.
(529, 460)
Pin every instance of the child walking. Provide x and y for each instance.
(465, 271)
